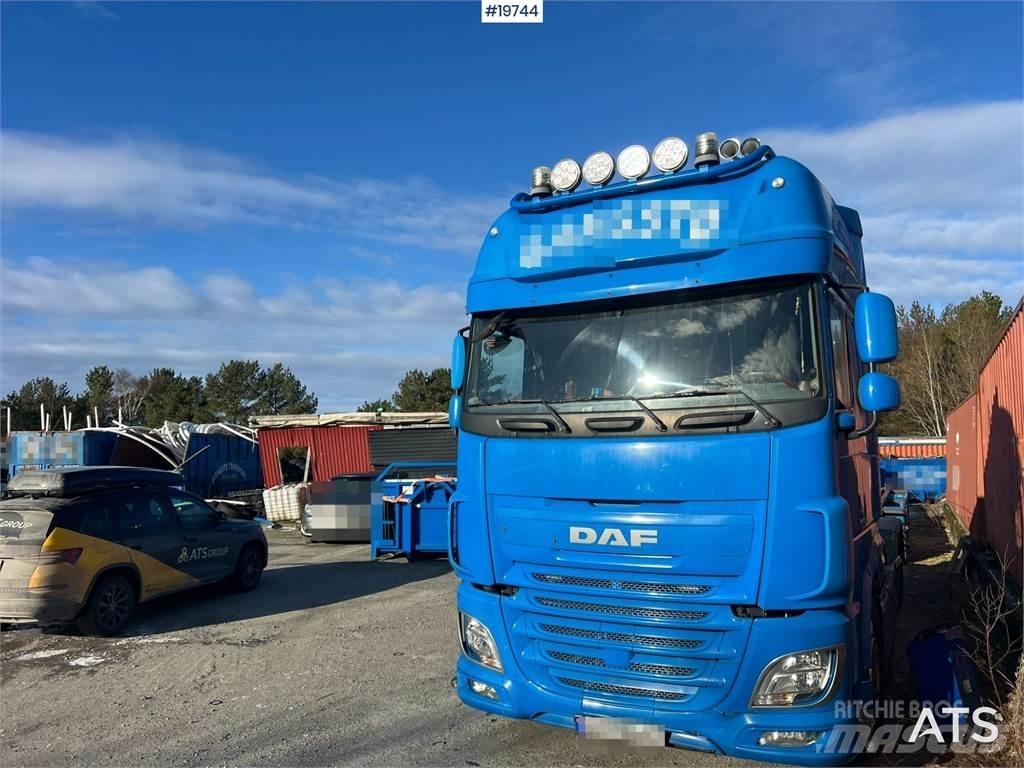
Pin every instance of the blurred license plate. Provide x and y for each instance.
(623, 730)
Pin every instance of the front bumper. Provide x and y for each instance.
(731, 727)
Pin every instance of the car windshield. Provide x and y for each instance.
(763, 343)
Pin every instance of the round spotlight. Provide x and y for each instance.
(634, 162)
(707, 150)
(540, 181)
(598, 169)
(729, 149)
(750, 146)
(565, 175)
(670, 155)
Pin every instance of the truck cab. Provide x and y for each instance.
(668, 500)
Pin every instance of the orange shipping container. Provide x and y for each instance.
(911, 447)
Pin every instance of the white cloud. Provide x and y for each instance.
(940, 191)
(176, 185)
(348, 342)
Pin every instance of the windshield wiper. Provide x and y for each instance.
(662, 427)
(563, 424)
(700, 391)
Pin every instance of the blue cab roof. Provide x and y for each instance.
(698, 228)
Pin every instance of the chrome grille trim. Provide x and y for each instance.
(623, 637)
(575, 658)
(623, 610)
(623, 690)
(662, 669)
(629, 586)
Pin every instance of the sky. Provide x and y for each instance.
(309, 183)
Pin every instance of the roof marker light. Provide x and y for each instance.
(750, 146)
(707, 150)
(670, 155)
(565, 175)
(634, 162)
(729, 149)
(540, 181)
(598, 169)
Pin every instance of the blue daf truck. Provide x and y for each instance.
(666, 522)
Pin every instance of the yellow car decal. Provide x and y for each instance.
(97, 554)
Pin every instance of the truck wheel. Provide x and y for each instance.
(248, 569)
(109, 607)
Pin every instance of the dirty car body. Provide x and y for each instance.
(64, 531)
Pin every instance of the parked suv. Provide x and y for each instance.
(88, 544)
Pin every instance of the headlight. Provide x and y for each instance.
(799, 679)
(478, 644)
(634, 162)
(598, 169)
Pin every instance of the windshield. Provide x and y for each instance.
(762, 343)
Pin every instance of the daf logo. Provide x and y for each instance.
(614, 537)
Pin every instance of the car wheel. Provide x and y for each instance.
(248, 569)
(109, 607)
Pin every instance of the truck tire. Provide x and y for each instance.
(248, 569)
(110, 606)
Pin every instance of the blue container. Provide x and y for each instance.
(41, 450)
(221, 464)
(409, 512)
(925, 478)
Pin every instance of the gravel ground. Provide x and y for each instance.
(332, 660)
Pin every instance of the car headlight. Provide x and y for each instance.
(478, 644)
(799, 679)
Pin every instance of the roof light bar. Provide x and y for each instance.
(634, 162)
(670, 155)
(729, 149)
(566, 175)
(598, 169)
(707, 149)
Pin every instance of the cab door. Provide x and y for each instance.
(210, 549)
(155, 541)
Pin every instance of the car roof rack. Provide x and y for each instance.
(66, 482)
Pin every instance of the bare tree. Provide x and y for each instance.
(130, 393)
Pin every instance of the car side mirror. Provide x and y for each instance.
(878, 392)
(874, 319)
(455, 411)
(458, 374)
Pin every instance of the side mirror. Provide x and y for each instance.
(878, 392)
(874, 319)
(458, 361)
(455, 411)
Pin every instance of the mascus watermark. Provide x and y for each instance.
(905, 727)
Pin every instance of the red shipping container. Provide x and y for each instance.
(985, 451)
(335, 450)
(962, 464)
(1000, 444)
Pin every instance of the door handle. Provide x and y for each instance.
(191, 540)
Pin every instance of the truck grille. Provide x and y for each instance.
(623, 690)
(575, 658)
(623, 637)
(662, 669)
(630, 586)
(622, 610)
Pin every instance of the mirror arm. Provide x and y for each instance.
(865, 430)
(872, 422)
